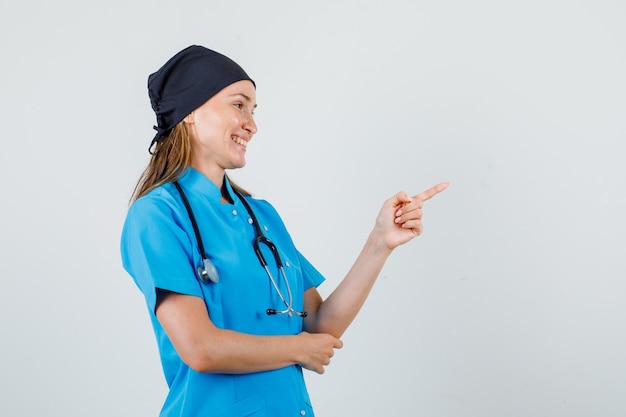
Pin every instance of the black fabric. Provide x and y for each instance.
(186, 81)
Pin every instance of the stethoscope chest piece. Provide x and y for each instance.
(208, 272)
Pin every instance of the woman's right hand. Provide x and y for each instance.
(317, 349)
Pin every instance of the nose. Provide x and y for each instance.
(250, 124)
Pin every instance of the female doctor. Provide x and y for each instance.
(233, 303)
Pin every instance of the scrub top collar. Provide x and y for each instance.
(192, 179)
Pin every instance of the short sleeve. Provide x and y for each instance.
(156, 250)
(311, 277)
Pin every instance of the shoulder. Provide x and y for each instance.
(160, 207)
(162, 198)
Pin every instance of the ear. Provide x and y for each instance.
(189, 119)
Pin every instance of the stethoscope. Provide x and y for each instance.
(208, 273)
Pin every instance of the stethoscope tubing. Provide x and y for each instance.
(208, 273)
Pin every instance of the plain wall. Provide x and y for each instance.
(512, 302)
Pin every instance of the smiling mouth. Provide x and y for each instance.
(239, 141)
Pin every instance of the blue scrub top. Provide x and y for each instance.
(159, 250)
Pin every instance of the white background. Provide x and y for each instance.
(512, 302)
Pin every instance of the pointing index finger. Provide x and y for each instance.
(431, 192)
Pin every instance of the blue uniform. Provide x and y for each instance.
(159, 250)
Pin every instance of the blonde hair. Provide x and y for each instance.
(170, 158)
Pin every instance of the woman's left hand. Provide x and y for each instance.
(400, 218)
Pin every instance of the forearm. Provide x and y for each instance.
(335, 314)
(231, 352)
(398, 221)
(207, 348)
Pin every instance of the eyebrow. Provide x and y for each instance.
(245, 98)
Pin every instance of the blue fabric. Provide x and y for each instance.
(159, 250)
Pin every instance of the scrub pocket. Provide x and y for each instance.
(250, 407)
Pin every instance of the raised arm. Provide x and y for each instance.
(399, 221)
(207, 348)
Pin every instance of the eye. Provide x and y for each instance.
(239, 105)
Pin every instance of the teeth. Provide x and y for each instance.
(239, 141)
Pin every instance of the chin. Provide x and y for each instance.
(240, 164)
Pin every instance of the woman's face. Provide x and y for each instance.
(221, 128)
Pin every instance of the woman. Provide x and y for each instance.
(234, 330)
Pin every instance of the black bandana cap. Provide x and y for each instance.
(185, 82)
